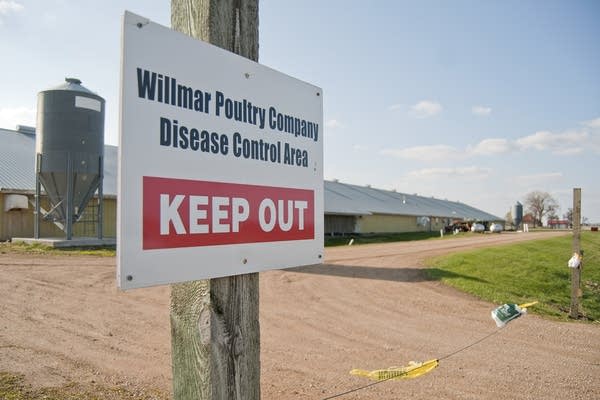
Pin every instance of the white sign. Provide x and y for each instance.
(220, 162)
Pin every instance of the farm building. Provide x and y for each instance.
(364, 210)
(17, 191)
(559, 224)
(348, 208)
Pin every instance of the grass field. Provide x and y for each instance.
(13, 387)
(42, 249)
(526, 272)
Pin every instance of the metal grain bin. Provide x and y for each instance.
(69, 149)
(517, 214)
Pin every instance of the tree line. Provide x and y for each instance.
(539, 204)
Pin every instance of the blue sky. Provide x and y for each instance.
(476, 101)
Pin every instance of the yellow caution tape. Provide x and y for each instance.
(521, 306)
(413, 370)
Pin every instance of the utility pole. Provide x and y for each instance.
(214, 323)
(576, 272)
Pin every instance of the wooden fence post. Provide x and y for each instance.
(576, 272)
(214, 323)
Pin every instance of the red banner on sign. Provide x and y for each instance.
(188, 213)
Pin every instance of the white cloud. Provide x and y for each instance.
(592, 127)
(568, 143)
(539, 141)
(557, 143)
(481, 110)
(426, 109)
(395, 107)
(594, 142)
(569, 151)
(11, 117)
(10, 6)
(490, 146)
(333, 123)
(424, 153)
(472, 172)
(594, 123)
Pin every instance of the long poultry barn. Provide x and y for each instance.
(352, 209)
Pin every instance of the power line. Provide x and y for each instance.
(356, 390)
(472, 344)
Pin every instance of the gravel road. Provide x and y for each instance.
(370, 307)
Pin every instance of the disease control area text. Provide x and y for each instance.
(176, 133)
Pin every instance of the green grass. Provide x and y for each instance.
(13, 387)
(40, 249)
(526, 272)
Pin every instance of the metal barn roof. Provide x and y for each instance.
(17, 173)
(17, 162)
(345, 199)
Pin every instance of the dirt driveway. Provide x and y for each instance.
(63, 320)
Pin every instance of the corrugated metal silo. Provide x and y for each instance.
(69, 152)
(517, 214)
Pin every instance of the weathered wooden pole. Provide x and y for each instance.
(214, 323)
(576, 272)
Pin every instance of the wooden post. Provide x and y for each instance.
(214, 323)
(576, 272)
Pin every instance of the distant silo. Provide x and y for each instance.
(69, 152)
(517, 214)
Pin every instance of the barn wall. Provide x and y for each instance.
(20, 222)
(437, 223)
(382, 223)
(2, 217)
(336, 224)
